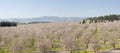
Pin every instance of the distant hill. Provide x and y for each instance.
(44, 19)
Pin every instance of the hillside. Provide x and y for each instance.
(60, 37)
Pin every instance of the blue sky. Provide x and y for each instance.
(62, 8)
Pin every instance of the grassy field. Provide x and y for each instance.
(62, 36)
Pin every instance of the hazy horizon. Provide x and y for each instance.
(60, 8)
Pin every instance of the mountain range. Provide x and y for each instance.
(44, 19)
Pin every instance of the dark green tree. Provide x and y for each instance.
(83, 22)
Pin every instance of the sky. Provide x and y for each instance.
(61, 8)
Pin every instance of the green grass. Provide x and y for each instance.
(83, 51)
(4, 50)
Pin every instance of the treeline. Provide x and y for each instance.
(7, 24)
(109, 18)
